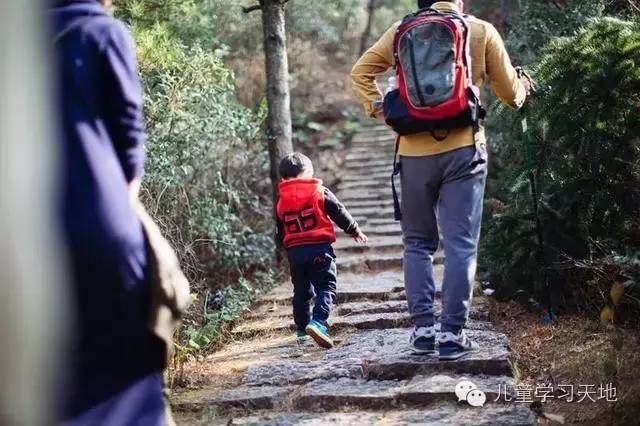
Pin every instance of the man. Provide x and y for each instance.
(443, 183)
(116, 360)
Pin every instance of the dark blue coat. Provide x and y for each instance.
(102, 150)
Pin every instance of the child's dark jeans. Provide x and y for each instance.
(313, 269)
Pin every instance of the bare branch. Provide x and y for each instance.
(633, 5)
(251, 8)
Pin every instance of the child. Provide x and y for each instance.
(305, 209)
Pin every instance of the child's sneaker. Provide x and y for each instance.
(423, 340)
(320, 334)
(302, 336)
(453, 346)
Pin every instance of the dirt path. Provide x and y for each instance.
(370, 377)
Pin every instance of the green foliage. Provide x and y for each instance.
(538, 21)
(237, 299)
(326, 22)
(206, 166)
(584, 136)
(205, 162)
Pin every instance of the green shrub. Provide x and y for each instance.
(585, 140)
(206, 161)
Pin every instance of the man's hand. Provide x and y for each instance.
(360, 237)
(527, 84)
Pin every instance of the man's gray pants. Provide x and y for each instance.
(442, 192)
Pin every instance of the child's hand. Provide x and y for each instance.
(360, 237)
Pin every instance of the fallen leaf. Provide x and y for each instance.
(607, 314)
(617, 290)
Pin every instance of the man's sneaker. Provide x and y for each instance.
(453, 346)
(423, 340)
(320, 334)
(302, 336)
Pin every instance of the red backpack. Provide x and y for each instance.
(435, 86)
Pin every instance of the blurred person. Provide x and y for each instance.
(33, 298)
(443, 158)
(116, 359)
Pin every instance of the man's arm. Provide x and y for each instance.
(375, 61)
(339, 214)
(124, 100)
(503, 76)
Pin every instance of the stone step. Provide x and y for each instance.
(479, 311)
(421, 391)
(373, 126)
(368, 165)
(369, 184)
(371, 307)
(377, 244)
(376, 143)
(372, 261)
(385, 168)
(354, 315)
(381, 173)
(382, 221)
(352, 287)
(383, 231)
(243, 398)
(385, 355)
(373, 134)
(368, 305)
(288, 373)
(375, 155)
(365, 155)
(383, 144)
(369, 262)
(356, 194)
(379, 176)
(375, 305)
(376, 134)
(445, 415)
(379, 321)
(360, 204)
(372, 212)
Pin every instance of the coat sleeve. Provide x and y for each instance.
(339, 214)
(374, 62)
(503, 76)
(124, 100)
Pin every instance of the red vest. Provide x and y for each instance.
(301, 210)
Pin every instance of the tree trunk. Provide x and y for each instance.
(504, 17)
(278, 98)
(364, 41)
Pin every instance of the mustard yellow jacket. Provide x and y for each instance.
(490, 63)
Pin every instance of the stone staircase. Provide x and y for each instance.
(370, 377)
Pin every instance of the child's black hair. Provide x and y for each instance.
(428, 3)
(293, 165)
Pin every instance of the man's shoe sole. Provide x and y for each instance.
(455, 355)
(423, 351)
(319, 337)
